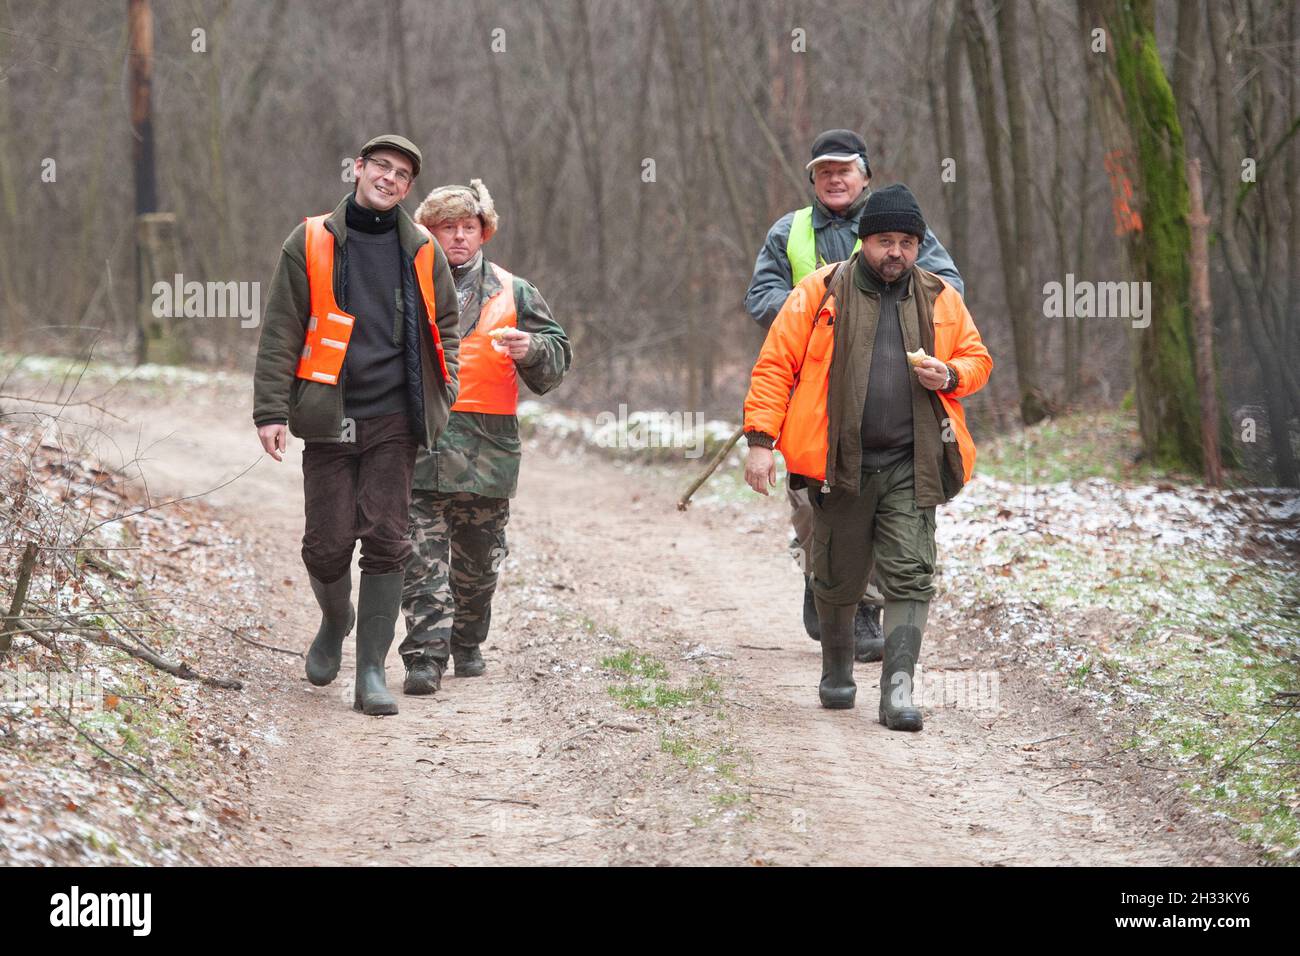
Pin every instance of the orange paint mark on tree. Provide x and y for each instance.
(1127, 219)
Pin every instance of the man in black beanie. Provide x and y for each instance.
(858, 384)
(796, 245)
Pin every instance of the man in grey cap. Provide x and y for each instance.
(358, 357)
(797, 244)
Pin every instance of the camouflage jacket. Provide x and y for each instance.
(479, 453)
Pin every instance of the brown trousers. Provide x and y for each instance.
(359, 490)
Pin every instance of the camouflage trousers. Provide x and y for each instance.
(459, 543)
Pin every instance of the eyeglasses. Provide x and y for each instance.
(385, 167)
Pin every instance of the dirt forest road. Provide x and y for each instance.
(728, 759)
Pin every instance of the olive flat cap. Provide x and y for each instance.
(399, 143)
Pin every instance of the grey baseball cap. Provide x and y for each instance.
(839, 145)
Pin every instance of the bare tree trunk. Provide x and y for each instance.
(1187, 66)
(1275, 374)
(399, 97)
(958, 239)
(1032, 407)
(11, 319)
(514, 236)
(643, 143)
(586, 124)
(1083, 251)
(140, 47)
(1056, 210)
(1292, 177)
(1206, 383)
(1143, 132)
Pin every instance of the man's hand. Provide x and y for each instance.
(760, 469)
(514, 342)
(932, 373)
(274, 439)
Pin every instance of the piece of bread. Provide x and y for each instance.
(496, 334)
(917, 357)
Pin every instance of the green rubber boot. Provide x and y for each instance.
(904, 628)
(836, 690)
(379, 602)
(337, 615)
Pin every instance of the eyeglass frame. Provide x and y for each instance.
(401, 175)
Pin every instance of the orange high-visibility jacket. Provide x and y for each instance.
(797, 355)
(488, 382)
(329, 329)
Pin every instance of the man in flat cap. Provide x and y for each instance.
(797, 244)
(358, 358)
(465, 480)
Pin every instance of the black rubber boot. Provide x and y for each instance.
(468, 660)
(810, 623)
(868, 641)
(379, 602)
(423, 676)
(836, 690)
(337, 615)
(904, 628)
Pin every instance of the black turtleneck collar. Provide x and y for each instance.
(369, 220)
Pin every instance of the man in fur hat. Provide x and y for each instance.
(463, 484)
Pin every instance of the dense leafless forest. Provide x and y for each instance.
(639, 151)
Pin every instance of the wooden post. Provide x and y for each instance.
(140, 72)
(1199, 224)
(140, 47)
(162, 336)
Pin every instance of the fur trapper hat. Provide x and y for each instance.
(457, 202)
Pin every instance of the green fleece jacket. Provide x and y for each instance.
(314, 410)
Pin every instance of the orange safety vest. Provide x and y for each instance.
(330, 328)
(487, 377)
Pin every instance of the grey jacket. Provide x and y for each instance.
(835, 235)
(314, 410)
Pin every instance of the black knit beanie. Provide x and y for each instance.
(892, 209)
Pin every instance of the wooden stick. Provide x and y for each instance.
(684, 501)
(105, 639)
